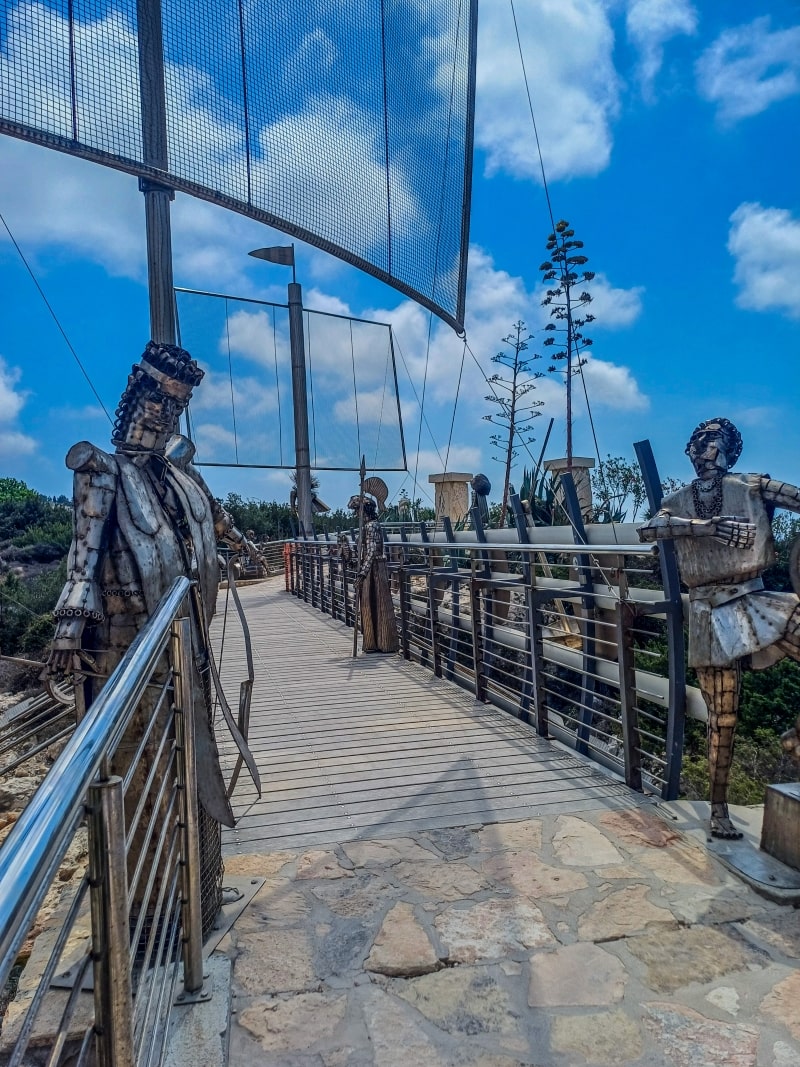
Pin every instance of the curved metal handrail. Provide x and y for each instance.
(36, 845)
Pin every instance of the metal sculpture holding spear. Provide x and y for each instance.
(373, 594)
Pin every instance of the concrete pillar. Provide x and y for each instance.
(451, 495)
(581, 465)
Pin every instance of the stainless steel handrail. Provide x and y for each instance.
(36, 845)
(510, 546)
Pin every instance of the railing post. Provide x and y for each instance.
(404, 604)
(631, 741)
(191, 906)
(676, 715)
(108, 882)
(477, 652)
(433, 612)
(454, 601)
(538, 694)
(582, 564)
(345, 592)
(331, 590)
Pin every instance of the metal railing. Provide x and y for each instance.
(100, 952)
(578, 640)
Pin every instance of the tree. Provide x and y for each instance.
(514, 413)
(618, 485)
(566, 303)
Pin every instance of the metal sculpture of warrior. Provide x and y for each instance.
(378, 624)
(143, 516)
(721, 525)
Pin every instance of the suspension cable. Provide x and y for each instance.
(552, 219)
(61, 329)
(230, 378)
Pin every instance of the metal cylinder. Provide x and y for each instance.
(300, 399)
(155, 153)
(108, 879)
(191, 904)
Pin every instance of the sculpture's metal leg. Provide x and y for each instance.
(791, 646)
(720, 687)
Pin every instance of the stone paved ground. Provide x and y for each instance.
(610, 938)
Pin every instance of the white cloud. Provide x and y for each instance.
(650, 24)
(612, 307)
(215, 442)
(613, 386)
(318, 46)
(251, 396)
(765, 244)
(568, 50)
(13, 442)
(371, 408)
(466, 458)
(250, 335)
(750, 67)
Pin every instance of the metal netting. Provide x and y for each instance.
(346, 125)
(242, 412)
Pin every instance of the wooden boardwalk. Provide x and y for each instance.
(376, 746)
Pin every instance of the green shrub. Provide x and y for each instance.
(26, 624)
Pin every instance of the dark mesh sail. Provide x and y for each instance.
(348, 125)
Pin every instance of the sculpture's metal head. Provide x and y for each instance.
(159, 388)
(481, 485)
(370, 507)
(715, 445)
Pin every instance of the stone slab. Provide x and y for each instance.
(199, 1032)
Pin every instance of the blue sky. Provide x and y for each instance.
(669, 136)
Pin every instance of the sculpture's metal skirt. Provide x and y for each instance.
(728, 622)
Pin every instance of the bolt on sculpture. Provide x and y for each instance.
(143, 516)
(722, 528)
(378, 624)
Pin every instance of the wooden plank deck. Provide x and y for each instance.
(375, 746)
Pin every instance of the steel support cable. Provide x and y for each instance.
(455, 402)
(437, 245)
(311, 383)
(422, 404)
(55, 318)
(380, 415)
(385, 88)
(553, 223)
(230, 379)
(533, 120)
(277, 385)
(245, 103)
(419, 403)
(355, 392)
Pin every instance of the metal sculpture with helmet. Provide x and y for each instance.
(376, 609)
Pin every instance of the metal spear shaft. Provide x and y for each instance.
(359, 554)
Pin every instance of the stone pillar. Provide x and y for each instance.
(451, 495)
(581, 465)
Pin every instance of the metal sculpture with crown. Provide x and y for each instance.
(722, 528)
(142, 516)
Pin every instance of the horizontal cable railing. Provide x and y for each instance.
(574, 639)
(99, 877)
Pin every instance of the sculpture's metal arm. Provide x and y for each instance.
(224, 527)
(781, 494)
(724, 528)
(95, 481)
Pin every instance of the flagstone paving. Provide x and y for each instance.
(606, 938)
